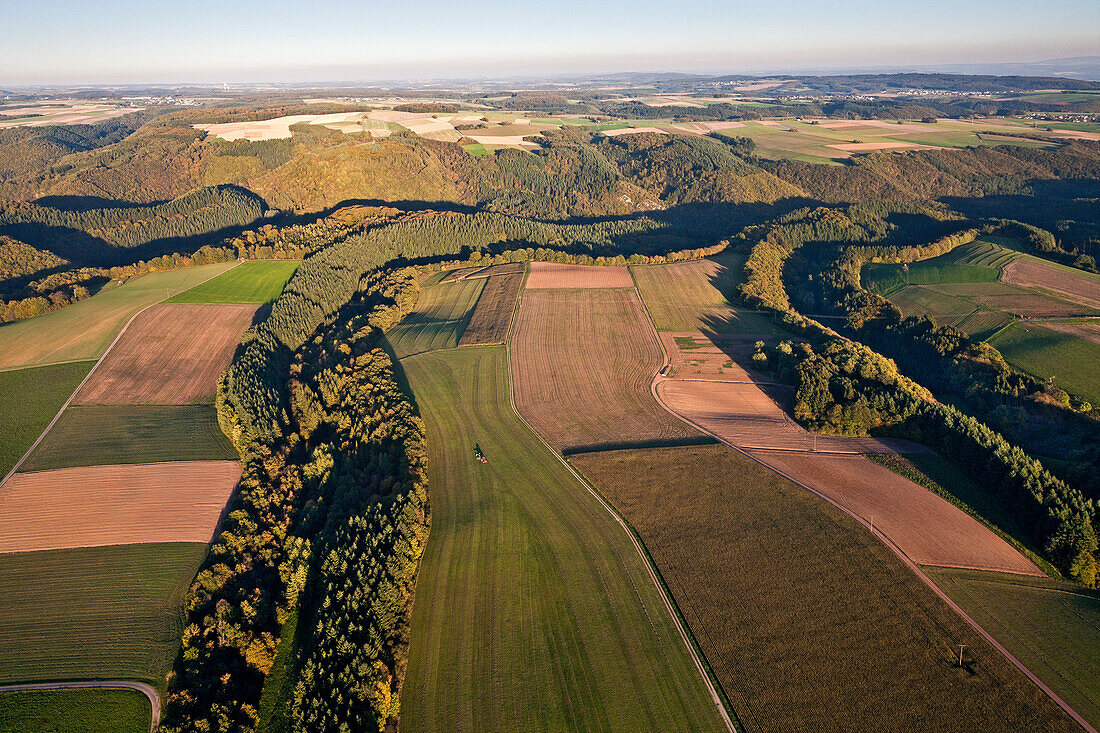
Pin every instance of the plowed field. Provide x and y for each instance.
(115, 505)
(170, 355)
(553, 275)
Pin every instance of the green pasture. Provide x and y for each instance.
(29, 399)
(442, 312)
(74, 711)
(255, 282)
(1072, 361)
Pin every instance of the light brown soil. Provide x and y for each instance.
(1088, 331)
(706, 359)
(930, 530)
(583, 361)
(865, 147)
(553, 275)
(171, 354)
(115, 505)
(493, 313)
(1034, 304)
(1080, 287)
(748, 417)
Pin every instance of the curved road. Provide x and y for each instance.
(147, 690)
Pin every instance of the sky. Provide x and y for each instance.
(154, 41)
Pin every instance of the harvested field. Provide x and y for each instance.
(583, 361)
(84, 329)
(492, 316)
(102, 612)
(115, 505)
(1034, 305)
(1087, 330)
(440, 317)
(533, 611)
(694, 356)
(702, 128)
(274, 129)
(867, 147)
(96, 435)
(927, 528)
(809, 622)
(749, 417)
(77, 113)
(503, 140)
(552, 275)
(1080, 287)
(1052, 627)
(633, 131)
(29, 399)
(170, 355)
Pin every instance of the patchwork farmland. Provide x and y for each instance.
(115, 506)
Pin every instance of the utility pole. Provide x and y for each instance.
(961, 647)
(871, 521)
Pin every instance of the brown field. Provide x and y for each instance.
(553, 275)
(704, 358)
(1081, 287)
(809, 622)
(493, 313)
(702, 128)
(171, 354)
(1033, 304)
(927, 528)
(115, 505)
(865, 147)
(749, 417)
(582, 363)
(1088, 331)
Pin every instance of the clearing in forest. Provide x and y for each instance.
(85, 329)
(171, 354)
(533, 610)
(492, 317)
(94, 613)
(114, 505)
(553, 275)
(255, 282)
(583, 361)
(94, 435)
(808, 620)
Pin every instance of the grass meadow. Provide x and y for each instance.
(1052, 627)
(1073, 362)
(256, 282)
(74, 711)
(99, 612)
(29, 399)
(807, 619)
(96, 435)
(441, 315)
(533, 610)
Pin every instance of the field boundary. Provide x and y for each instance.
(88, 376)
(148, 690)
(654, 574)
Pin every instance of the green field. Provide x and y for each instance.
(533, 611)
(1074, 362)
(256, 282)
(476, 149)
(976, 262)
(1052, 627)
(74, 711)
(441, 315)
(95, 435)
(808, 620)
(83, 330)
(29, 399)
(947, 310)
(94, 613)
(686, 296)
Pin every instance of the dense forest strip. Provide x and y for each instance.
(529, 567)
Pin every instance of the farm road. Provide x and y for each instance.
(147, 690)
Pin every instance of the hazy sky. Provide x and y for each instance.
(110, 41)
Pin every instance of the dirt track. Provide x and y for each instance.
(171, 354)
(115, 505)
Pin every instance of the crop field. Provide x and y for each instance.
(694, 295)
(93, 435)
(83, 330)
(808, 620)
(886, 278)
(551, 275)
(29, 399)
(533, 610)
(748, 415)
(75, 113)
(104, 612)
(115, 505)
(929, 529)
(492, 317)
(74, 711)
(1073, 361)
(441, 315)
(583, 361)
(946, 310)
(171, 354)
(1080, 287)
(1052, 627)
(256, 282)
